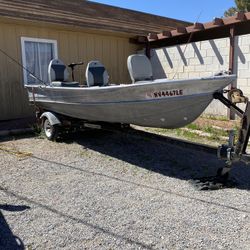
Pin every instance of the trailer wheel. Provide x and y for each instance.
(50, 131)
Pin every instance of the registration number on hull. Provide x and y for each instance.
(166, 93)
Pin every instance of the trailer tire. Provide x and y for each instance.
(50, 131)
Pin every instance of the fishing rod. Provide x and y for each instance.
(189, 40)
(20, 65)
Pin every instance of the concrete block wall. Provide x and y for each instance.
(243, 63)
(204, 59)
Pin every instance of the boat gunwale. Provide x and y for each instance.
(135, 85)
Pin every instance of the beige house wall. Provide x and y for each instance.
(73, 46)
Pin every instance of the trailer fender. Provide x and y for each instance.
(51, 117)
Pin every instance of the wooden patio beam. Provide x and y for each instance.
(179, 31)
(152, 37)
(217, 22)
(142, 39)
(164, 34)
(241, 16)
(218, 28)
(195, 27)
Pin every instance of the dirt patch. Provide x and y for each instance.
(225, 124)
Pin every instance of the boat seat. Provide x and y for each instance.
(96, 74)
(58, 74)
(140, 68)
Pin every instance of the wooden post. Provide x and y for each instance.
(230, 113)
(232, 50)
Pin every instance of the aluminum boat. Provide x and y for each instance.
(161, 103)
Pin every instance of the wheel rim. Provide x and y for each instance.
(48, 128)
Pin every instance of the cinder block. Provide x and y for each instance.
(183, 75)
(170, 76)
(189, 68)
(204, 45)
(244, 40)
(194, 75)
(221, 43)
(200, 68)
(240, 39)
(171, 50)
(197, 44)
(194, 61)
(205, 74)
(208, 60)
(219, 60)
(209, 73)
(177, 63)
(243, 73)
(189, 54)
(210, 52)
(242, 82)
(212, 67)
(161, 56)
(246, 91)
(244, 49)
(243, 66)
(224, 51)
(202, 53)
(216, 108)
(247, 57)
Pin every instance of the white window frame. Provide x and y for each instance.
(37, 40)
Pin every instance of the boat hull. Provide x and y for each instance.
(161, 103)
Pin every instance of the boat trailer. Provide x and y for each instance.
(234, 151)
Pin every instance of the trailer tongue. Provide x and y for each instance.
(234, 151)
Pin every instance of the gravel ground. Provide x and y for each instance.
(103, 190)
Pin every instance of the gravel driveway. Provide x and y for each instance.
(103, 190)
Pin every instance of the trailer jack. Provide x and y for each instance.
(234, 151)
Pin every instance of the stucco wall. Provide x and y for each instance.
(203, 59)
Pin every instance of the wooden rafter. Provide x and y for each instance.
(217, 28)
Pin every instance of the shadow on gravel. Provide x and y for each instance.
(7, 239)
(159, 154)
(17, 137)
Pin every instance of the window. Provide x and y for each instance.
(36, 55)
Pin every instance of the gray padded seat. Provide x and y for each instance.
(96, 74)
(58, 74)
(140, 68)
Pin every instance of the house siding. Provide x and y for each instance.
(73, 46)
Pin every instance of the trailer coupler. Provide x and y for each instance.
(234, 151)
